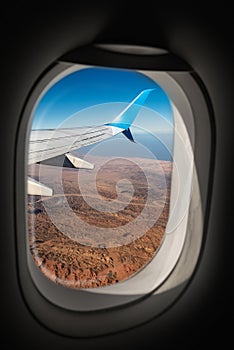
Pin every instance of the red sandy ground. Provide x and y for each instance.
(72, 264)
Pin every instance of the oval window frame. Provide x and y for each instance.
(178, 276)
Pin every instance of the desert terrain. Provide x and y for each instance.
(75, 258)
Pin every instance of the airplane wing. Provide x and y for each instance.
(48, 144)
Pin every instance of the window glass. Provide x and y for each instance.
(99, 173)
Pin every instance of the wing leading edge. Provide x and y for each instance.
(49, 144)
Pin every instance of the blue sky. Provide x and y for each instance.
(94, 96)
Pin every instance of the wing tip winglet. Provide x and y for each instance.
(128, 134)
(126, 118)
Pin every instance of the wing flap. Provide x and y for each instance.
(79, 163)
(36, 188)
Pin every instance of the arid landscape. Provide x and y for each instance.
(69, 255)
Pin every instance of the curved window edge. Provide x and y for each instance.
(178, 274)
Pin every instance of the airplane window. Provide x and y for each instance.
(99, 168)
(111, 211)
